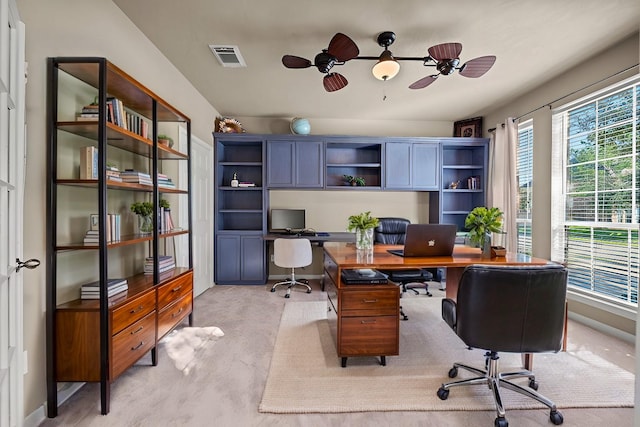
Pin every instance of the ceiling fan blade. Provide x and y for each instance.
(477, 66)
(291, 61)
(334, 81)
(445, 51)
(424, 82)
(343, 48)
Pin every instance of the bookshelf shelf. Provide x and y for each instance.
(85, 341)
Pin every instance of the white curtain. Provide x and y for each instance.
(503, 185)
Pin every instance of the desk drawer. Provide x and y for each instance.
(369, 302)
(369, 336)
(132, 311)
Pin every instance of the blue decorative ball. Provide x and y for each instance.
(300, 126)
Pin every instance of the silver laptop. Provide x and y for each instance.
(424, 240)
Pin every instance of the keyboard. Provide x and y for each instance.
(307, 233)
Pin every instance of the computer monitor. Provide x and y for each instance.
(287, 220)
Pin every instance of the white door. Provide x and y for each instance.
(202, 205)
(12, 152)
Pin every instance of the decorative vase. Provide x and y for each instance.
(486, 246)
(145, 224)
(364, 239)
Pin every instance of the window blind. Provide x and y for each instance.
(524, 171)
(596, 229)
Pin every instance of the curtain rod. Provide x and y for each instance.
(548, 104)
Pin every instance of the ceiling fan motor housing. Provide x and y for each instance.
(324, 61)
(447, 66)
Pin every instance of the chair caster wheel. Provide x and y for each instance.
(501, 422)
(308, 291)
(287, 296)
(533, 384)
(273, 289)
(556, 418)
(443, 393)
(453, 372)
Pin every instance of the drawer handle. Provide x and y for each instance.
(176, 289)
(137, 330)
(177, 313)
(369, 301)
(135, 310)
(364, 322)
(138, 346)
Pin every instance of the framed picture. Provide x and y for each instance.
(94, 222)
(471, 128)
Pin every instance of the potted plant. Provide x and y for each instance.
(363, 224)
(354, 180)
(481, 222)
(144, 210)
(165, 140)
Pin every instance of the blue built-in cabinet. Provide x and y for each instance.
(451, 170)
(295, 163)
(411, 166)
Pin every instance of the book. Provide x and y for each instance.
(110, 283)
(89, 162)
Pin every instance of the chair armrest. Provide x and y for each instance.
(449, 312)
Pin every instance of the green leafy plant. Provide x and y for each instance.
(142, 208)
(146, 208)
(482, 221)
(354, 180)
(362, 221)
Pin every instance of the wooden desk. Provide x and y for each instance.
(369, 305)
(346, 256)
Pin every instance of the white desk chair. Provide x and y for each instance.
(292, 253)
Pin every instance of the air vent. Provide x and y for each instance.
(228, 56)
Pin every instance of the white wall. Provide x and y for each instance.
(80, 28)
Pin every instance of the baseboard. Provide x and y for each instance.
(65, 391)
(602, 327)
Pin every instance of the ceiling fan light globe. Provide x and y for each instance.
(386, 68)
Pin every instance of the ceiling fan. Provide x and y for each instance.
(444, 57)
(341, 49)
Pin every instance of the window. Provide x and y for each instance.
(595, 219)
(524, 171)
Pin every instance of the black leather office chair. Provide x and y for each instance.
(507, 309)
(392, 231)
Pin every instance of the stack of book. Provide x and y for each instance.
(113, 174)
(473, 182)
(89, 112)
(114, 287)
(246, 184)
(164, 181)
(165, 263)
(136, 177)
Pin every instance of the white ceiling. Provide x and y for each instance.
(534, 40)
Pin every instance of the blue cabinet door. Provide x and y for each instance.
(227, 253)
(425, 166)
(280, 163)
(397, 165)
(253, 260)
(309, 164)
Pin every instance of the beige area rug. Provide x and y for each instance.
(305, 375)
(183, 345)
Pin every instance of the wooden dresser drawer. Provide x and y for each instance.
(174, 290)
(132, 343)
(384, 301)
(369, 335)
(174, 314)
(132, 311)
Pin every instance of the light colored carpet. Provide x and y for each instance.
(305, 375)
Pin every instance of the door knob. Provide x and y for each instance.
(30, 264)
